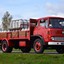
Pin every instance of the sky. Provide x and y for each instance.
(26, 9)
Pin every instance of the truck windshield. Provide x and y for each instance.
(56, 23)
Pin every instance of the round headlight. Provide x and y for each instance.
(52, 38)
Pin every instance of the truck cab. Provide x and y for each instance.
(49, 32)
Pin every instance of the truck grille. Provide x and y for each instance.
(58, 38)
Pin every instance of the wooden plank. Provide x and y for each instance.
(3, 35)
(21, 33)
(15, 34)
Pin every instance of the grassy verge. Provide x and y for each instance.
(20, 58)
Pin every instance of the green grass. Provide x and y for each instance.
(22, 58)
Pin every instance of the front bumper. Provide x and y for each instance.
(55, 43)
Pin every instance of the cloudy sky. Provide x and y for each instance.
(32, 8)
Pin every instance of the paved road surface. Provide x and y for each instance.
(32, 52)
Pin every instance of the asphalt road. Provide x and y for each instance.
(32, 52)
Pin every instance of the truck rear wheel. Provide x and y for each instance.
(25, 49)
(60, 50)
(5, 47)
(38, 46)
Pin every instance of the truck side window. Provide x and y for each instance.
(43, 23)
(47, 23)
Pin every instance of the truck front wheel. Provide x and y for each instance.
(38, 46)
(60, 49)
(5, 48)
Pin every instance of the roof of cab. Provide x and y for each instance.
(50, 17)
(36, 20)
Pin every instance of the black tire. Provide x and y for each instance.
(25, 49)
(5, 48)
(60, 50)
(38, 46)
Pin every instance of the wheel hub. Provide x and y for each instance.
(37, 46)
(4, 47)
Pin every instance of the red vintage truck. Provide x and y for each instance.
(39, 34)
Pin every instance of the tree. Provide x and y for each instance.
(6, 20)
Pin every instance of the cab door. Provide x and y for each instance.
(43, 28)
